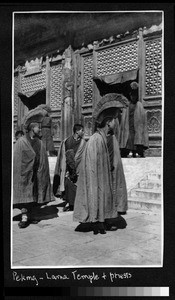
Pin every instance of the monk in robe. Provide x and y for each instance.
(133, 126)
(101, 188)
(47, 132)
(67, 167)
(31, 179)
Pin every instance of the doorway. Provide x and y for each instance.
(34, 99)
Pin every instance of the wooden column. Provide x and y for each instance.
(141, 64)
(68, 101)
(22, 109)
(77, 85)
(96, 95)
(47, 81)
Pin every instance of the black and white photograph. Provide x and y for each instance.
(87, 143)
(87, 152)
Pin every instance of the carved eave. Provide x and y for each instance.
(18, 69)
(109, 41)
(153, 30)
(56, 56)
(53, 57)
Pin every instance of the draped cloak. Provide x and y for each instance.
(23, 184)
(46, 130)
(60, 168)
(140, 127)
(101, 193)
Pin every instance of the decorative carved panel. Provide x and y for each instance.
(87, 80)
(153, 67)
(87, 126)
(16, 90)
(56, 86)
(117, 59)
(154, 121)
(56, 128)
(34, 82)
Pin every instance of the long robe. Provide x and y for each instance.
(140, 127)
(23, 168)
(101, 192)
(61, 167)
(46, 130)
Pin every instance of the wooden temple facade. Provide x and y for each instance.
(65, 81)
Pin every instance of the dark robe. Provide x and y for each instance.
(101, 187)
(46, 130)
(67, 168)
(31, 178)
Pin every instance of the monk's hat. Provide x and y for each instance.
(45, 107)
(108, 106)
(35, 115)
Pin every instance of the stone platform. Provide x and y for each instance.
(53, 242)
(143, 180)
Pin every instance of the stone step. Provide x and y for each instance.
(146, 194)
(149, 184)
(153, 176)
(142, 205)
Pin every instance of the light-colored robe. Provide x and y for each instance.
(23, 161)
(140, 126)
(101, 193)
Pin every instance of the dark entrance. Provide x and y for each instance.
(117, 83)
(33, 100)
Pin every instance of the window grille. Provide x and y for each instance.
(16, 89)
(153, 67)
(88, 81)
(117, 59)
(56, 86)
(34, 82)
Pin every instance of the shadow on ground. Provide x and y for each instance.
(43, 212)
(109, 224)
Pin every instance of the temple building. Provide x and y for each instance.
(73, 77)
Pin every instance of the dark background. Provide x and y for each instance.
(140, 276)
(37, 34)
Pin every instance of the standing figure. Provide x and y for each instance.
(31, 179)
(67, 166)
(101, 188)
(47, 131)
(133, 126)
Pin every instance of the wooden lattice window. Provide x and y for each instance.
(153, 67)
(16, 90)
(34, 82)
(87, 78)
(117, 59)
(56, 86)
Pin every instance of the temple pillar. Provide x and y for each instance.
(67, 110)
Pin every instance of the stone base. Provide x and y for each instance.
(135, 169)
(148, 205)
(153, 152)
